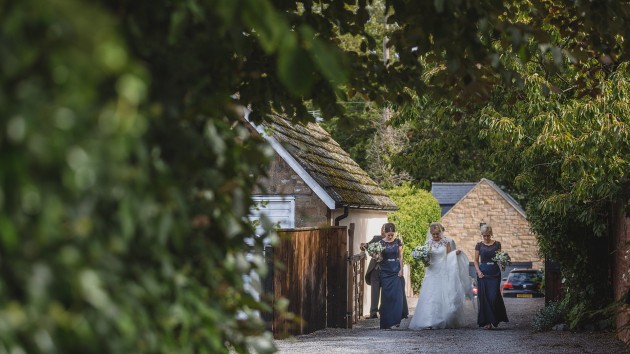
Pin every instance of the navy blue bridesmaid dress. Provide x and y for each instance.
(491, 305)
(392, 286)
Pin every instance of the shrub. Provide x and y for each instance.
(417, 209)
(548, 316)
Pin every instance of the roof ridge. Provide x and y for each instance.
(508, 198)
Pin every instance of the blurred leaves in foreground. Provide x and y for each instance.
(119, 214)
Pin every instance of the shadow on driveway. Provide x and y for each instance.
(516, 336)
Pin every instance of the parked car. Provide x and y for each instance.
(526, 283)
(474, 291)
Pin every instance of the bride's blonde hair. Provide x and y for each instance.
(436, 226)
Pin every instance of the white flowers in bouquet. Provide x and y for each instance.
(422, 253)
(375, 250)
(502, 258)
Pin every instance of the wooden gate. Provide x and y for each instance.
(553, 281)
(313, 280)
(357, 262)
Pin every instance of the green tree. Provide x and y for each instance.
(363, 130)
(557, 139)
(442, 144)
(572, 159)
(417, 209)
(125, 172)
(355, 130)
(562, 139)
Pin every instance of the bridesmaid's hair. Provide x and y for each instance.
(485, 227)
(389, 227)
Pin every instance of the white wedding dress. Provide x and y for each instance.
(444, 289)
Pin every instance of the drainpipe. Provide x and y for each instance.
(342, 216)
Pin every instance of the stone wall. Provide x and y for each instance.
(483, 204)
(310, 211)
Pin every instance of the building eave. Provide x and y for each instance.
(301, 172)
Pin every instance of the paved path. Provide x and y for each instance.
(514, 337)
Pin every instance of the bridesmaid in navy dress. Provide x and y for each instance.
(491, 306)
(392, 282)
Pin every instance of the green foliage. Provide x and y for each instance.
(553, 313)
(558, 139)
(417, 209)
(570, 156)
(355, 131)
(121, 217)
(444, 143)
(125, 174)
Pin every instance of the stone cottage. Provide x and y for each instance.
(467, 206)
(313, 182)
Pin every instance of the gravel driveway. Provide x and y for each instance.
(516, 336)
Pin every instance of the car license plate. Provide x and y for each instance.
(523, 295)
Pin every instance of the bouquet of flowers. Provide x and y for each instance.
(502, 258)
(375, 250)
(422, 253)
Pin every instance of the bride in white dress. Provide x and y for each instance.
(445, 285)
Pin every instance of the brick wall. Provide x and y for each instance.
(483, 204)
(310, 211)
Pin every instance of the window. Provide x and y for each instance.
(280, 210)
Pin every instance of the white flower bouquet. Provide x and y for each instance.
(422, 253)
(375, 250)
(503, 259)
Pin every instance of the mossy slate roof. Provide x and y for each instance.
(329, 165)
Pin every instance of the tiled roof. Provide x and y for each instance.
(329, 165)
(448, 194)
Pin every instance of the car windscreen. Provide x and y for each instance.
(523, 278)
